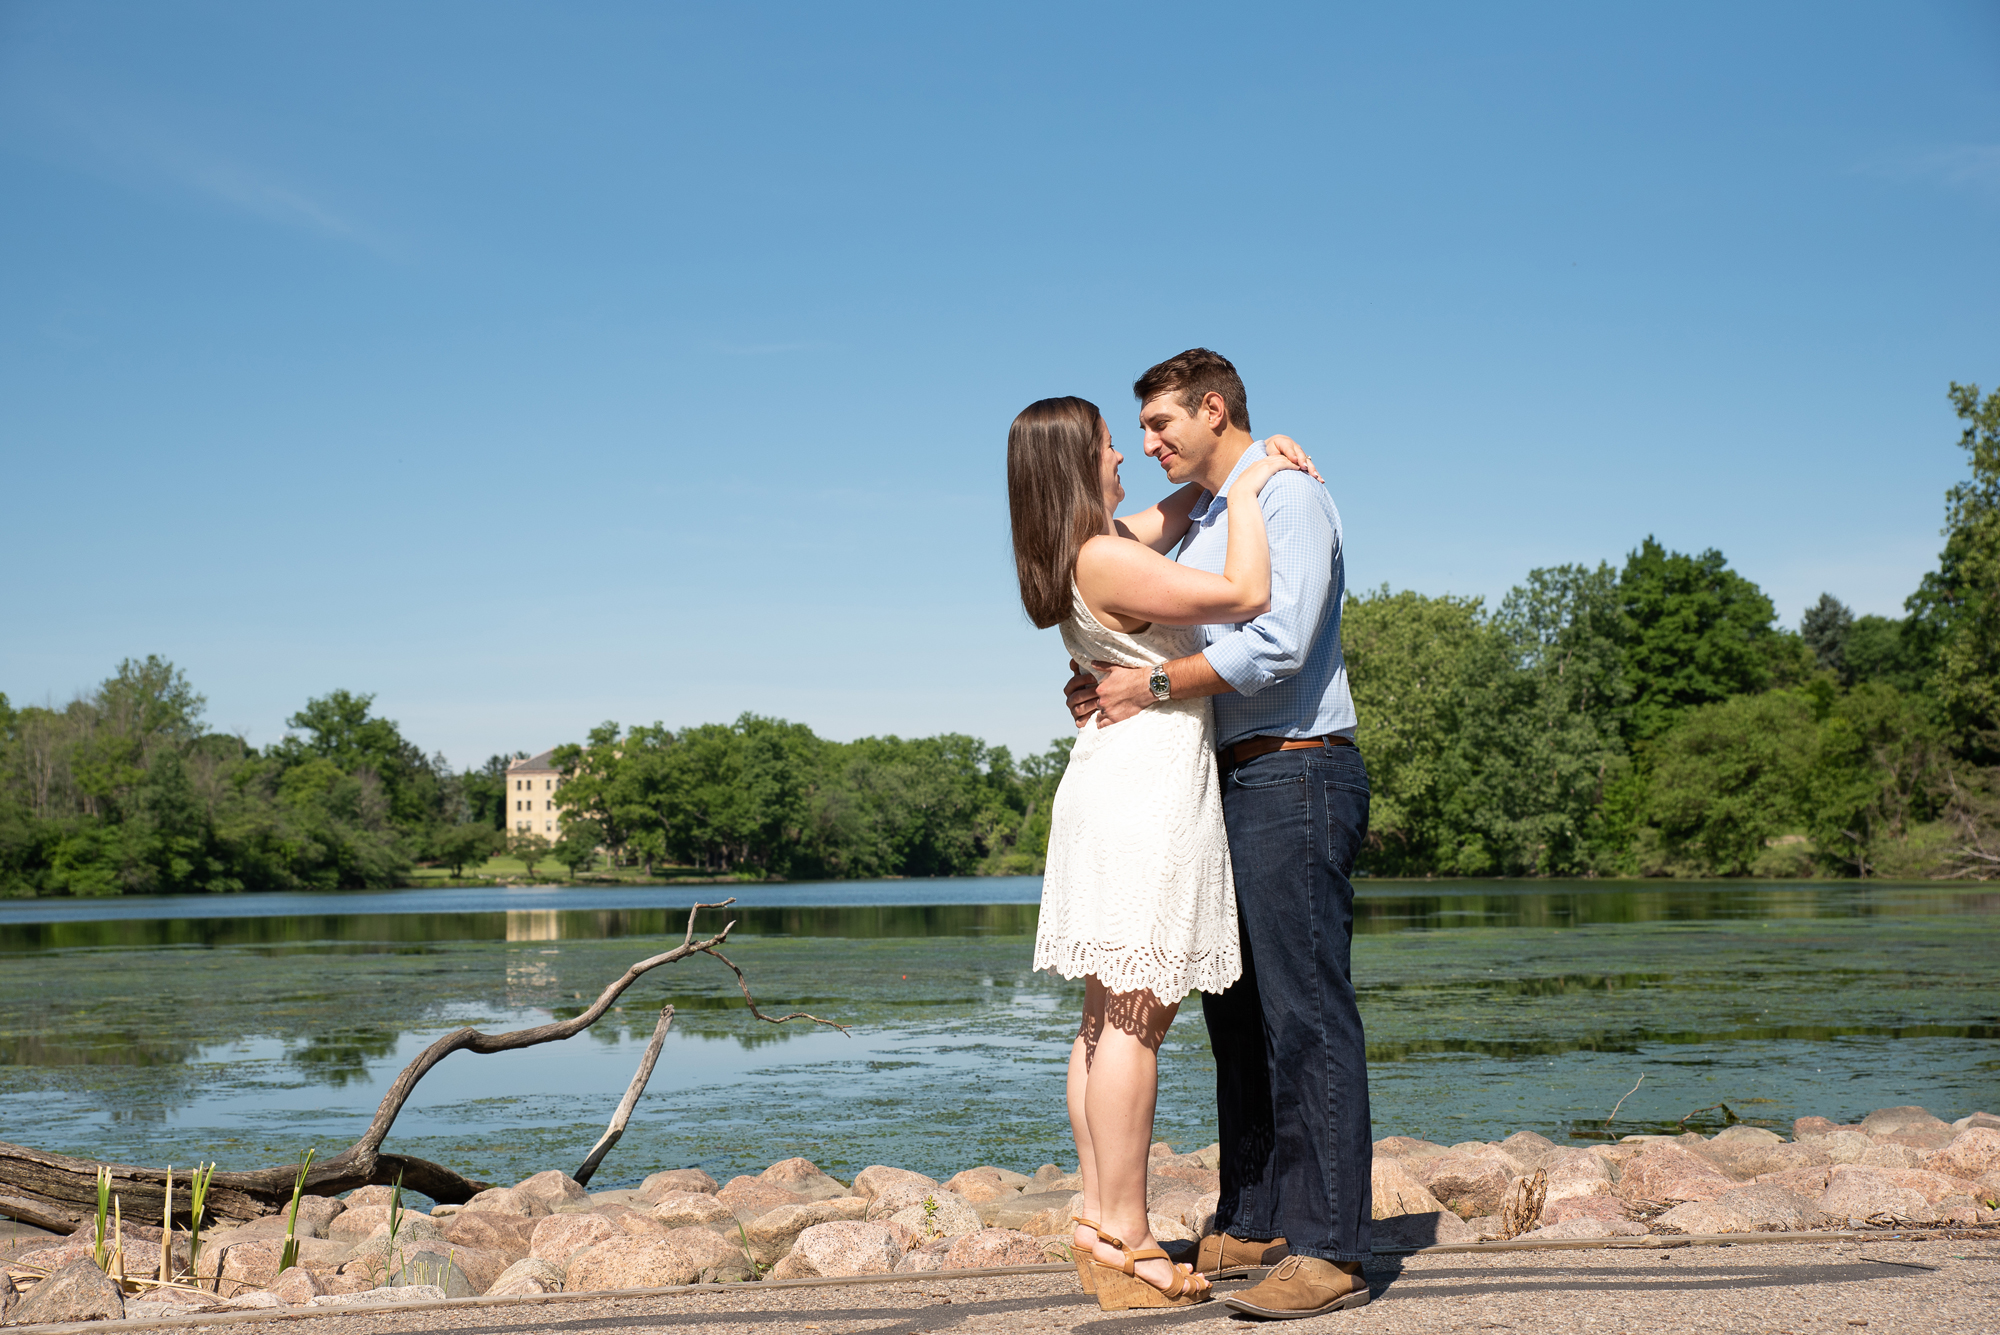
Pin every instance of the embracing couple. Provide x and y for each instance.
(1204, 833)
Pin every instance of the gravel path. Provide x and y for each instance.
(1836, 1288)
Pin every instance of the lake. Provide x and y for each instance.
(246, 1028)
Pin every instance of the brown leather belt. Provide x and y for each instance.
(1252, 747)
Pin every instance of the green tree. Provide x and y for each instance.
(1888, 650)
(469, 843)
(1957, 606)
(1726, 782)
(1409, 663)
(577, 849)
(1696, 633)
(1825, 628)
(529, 847)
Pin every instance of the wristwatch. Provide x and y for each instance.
(1162, 688)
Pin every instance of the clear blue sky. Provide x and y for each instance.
(533, 365)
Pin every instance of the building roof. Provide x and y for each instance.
(540, 764)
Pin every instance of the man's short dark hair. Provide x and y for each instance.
(1193, 375)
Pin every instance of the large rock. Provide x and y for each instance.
(1668, 1172)
(980, 1185)
(1576, 1173)
(1187, 1169)
(1585, 1227)
(720, 1259)
(693, 1209)
(845, 1247)
(1972, 1153)
(371, 1195)
(560, 1236)
(439, 1269)
(504, 1200)
(1747, 1152)
(554, 1189)
(994, 1247)
(1892, 1154)
(77, 1292)
(1933, 1187)
(1407, 1147)
(1527, 1149)
(512, 1235)
(239, 1267)
(940, 1214)
(1465, 1183)
(771, 1235)
(1810, 1127)
(1396, 1191)
(295, 1286)
(525, 1277)
(316, 1213)
(403, 1293)
(632, 1263)
(1806, 1182)
(359, 1221)
(1039, 1213)
(1907, 1125)
(1759, 1208)
(1429, 1229)
(900, 1184)
(676, 1182)
(749, 1197)
(1857, 1195)
(1985, 1119)
(925, 1257)
(1601, 1208)
(802, 1177)
(482, 1266)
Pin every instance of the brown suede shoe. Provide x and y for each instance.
(1303, 1286)
(1220, 1256)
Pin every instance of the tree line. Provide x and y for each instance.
(125, 790)
(1650, 719)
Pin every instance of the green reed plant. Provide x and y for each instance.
(197, 1202)
(98, 1255)
(395, 1214)
(290, 1256)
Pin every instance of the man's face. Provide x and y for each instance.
(1179, 440)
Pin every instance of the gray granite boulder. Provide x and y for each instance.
(525, 1277)
(77, 1292)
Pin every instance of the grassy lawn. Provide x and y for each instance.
(547, 870)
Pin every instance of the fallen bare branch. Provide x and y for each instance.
(616, 1129)
(57, 1192)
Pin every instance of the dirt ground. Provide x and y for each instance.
(1834, 1288)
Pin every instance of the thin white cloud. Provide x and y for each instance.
(1961, 166)
(96, 130)
(766, 349)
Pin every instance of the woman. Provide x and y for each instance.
(1137, 899)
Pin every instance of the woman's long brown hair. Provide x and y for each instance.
(1054, 497)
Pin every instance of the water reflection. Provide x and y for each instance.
(1490, 1007)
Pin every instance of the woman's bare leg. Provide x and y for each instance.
(1120, 1088)
(1083, 1239)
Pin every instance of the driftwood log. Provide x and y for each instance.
(57, 1192)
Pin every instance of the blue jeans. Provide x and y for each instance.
(1291, 1063)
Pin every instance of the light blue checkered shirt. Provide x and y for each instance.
(1286, 665)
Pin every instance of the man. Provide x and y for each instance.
(1290, 1060)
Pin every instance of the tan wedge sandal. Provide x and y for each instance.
(1083, 1261)
(1121, 1287)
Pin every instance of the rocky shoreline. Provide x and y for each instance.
(1896, 1168)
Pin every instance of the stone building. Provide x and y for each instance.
(531, 797)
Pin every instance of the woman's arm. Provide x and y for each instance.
(1161, 526)
(1130, 579)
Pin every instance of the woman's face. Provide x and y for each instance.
(1108, 460)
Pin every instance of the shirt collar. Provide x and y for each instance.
(1209, 498)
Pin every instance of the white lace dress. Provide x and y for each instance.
(1138, 889)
